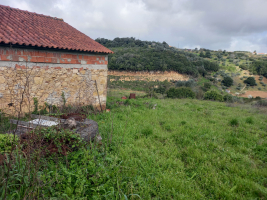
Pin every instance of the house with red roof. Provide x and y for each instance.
(49, 60)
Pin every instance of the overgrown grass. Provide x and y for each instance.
(183, 149)
(187, 149)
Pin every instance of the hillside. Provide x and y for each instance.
(138, 56)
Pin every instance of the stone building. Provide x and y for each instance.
(45, 58)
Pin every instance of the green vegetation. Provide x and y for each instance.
(183, 149)
(138, 85)
(227, 81)
(213, 95)
(137, 55)
(182, 92)
(261, 66)
(250, 81)
(6, 141)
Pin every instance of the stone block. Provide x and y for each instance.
(38, 80)
(103, 81)
(2, 79)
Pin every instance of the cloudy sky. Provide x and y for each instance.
(213, 24)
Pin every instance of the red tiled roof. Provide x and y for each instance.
(28, 28)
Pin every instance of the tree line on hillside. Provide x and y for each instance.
(131, 42)
(261, 67)
(136, 55)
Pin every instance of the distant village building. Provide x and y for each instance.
(228, 91)
(60, 64)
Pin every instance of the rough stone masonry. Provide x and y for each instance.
(47, 74)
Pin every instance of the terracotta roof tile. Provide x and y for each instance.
(28, 28)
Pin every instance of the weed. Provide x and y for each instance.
(63, 98)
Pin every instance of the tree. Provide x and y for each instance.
(250, 81)
(243, 66)
(208, 54)
(201, 54)
(227, 81)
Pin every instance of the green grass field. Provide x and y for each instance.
(183, 149)
(188, 149)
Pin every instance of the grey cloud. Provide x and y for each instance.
(211, 24)
(158, 5)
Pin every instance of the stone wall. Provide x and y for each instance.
(46, 74)
(146, 76)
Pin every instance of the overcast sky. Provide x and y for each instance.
(213, 24)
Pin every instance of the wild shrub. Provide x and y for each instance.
(199, 93)
(182, 92)
(207, 85)
(234, 122)
(261, 103)
(160, 89)
(257, 98)
(228, 98)
(243, 66)
(189, 83)
(227, 81)
(5, 123)
(213, 95)
(36, 110)
(250, 81)
(6, 142)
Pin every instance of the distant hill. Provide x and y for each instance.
(136, 55)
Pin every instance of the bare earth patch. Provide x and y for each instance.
(264, 80)
(261, 94)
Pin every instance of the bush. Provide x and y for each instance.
(250, 81)
(257, 98)
(262, 103)
(6, 141)
(213, 95)
(189, 83)
(243, 66)
(160, 90)
(232, 99)
(228, 97)
(199, 93)
(182, 92)
(227, 81)
(207, 85)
